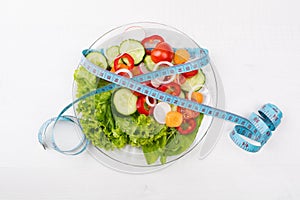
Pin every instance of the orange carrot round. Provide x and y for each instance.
(181, 56)
(174, 119)
(197, 96)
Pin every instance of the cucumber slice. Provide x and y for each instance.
(98, 59)
(191, 83)
(133, 48)
(124, 101)
(149, 63)
(111, 54)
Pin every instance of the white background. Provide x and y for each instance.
(254, 44)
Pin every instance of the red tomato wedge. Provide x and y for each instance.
(162, 52)
(187, 126)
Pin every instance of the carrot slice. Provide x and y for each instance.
(181, 56)
(197, 96)
(174, 119)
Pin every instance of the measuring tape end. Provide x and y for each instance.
(272, 114)
(261, 129)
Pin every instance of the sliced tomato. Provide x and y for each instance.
(150, 42)
(187, 113)
(162, 52)
(142, 106)
(190, 74)
(171, 88)
(187, 126)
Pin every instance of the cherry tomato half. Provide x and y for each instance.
(187, 113)
(190, 74)
(162, 52)
(187, 126)
(171, 88)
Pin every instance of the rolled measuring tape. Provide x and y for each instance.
(257, 128)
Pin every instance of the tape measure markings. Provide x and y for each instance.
(257, 128)
(141, 78)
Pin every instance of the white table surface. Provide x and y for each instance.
(254, 44)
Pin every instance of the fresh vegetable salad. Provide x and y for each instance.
(121, 117)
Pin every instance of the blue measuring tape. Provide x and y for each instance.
(257, 128)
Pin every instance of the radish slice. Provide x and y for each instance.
(125, 71)
(149, 103)
(143, 68)
(160, 112)
(161, 79)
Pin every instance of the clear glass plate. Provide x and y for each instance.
(131, 158)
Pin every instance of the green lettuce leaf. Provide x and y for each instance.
(179, 143)
(95, 112)
(107, 129)
(172, 143)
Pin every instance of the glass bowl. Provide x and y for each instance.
(149, 146)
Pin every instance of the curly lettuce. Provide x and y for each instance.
(95, 113)
(107, 129)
